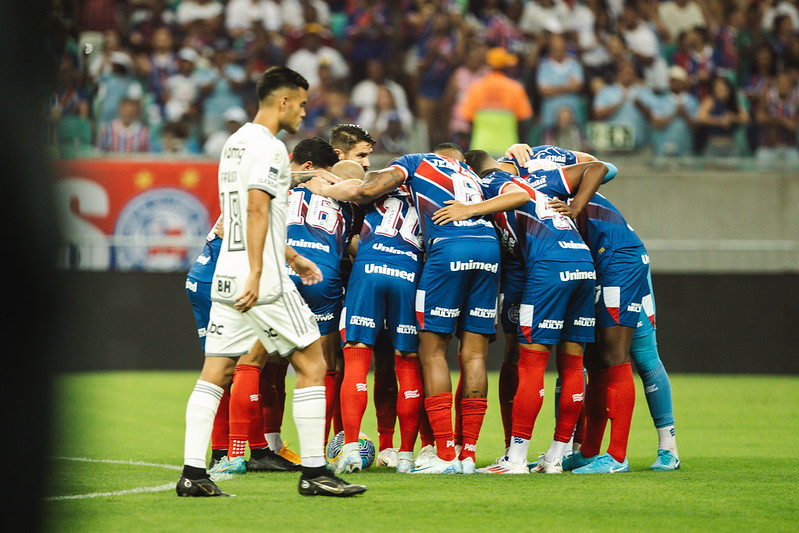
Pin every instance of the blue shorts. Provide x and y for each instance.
(200, 299)
(511, 286)
(646, 322)
(378, 294)
(459, 286)
(557, 303)
(324, 298)
(621, 287)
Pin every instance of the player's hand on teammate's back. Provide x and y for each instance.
(317, 185)
(559, 206)
(249, 297)
(307, 270)
(453, 212)
(326, 176)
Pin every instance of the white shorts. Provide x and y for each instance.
(283, 326)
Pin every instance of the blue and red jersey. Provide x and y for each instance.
(390, 231)
(535, 232)
(318, 227)
(432, 180)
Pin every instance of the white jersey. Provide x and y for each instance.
(252, 158)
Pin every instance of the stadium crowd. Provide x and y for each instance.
(689, 77)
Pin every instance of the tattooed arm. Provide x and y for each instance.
(374, 185)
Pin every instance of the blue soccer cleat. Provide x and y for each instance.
(575, 460)
(603, 464)
(666, 461)
(225, 466)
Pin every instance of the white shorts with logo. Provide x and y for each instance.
(283, 326)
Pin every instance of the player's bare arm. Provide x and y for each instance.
(258, 206)
(585, 179)
(512, 196)
(306, 269)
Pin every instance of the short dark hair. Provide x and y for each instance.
(345, 136)
(316, 150)
(449, 146)
(477, 160)
(275, 78)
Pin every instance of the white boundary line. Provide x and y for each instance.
(138, 490)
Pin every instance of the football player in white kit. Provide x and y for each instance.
(252, 294)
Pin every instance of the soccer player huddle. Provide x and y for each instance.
(326, 266)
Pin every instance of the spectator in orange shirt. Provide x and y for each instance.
(497, 91)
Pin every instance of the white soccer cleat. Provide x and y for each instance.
(439, 466)
(387, 457)
(426, 454)
(404, 462)
(503, 466)
(545, 467)
(467, 466)
(350, 461)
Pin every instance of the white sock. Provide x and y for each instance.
(309, 417)
(517, 452)
(200, 412)
(666, 439)
(556, 451)
(274, 441)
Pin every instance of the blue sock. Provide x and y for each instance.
(644, 352)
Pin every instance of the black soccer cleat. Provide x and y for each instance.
(329, 485)
(271, 462)
(200, 488)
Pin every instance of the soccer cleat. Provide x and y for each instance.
(543, 466)
(328, 485)
(575, 460)
(199, 488)
(503, 466)
(271, 462)
(350, 460)
(289, 455)
(227, 466)
(666, 461)
(439, 466)
(467, 466)
(604, 464)
(426, 454)
(387, 457)
(404, 462)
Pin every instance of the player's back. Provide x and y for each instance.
(558, 156)
(604, 228)
(318, 227)
(391, 231)
(540, 233)
(252, 158)
(433, 180)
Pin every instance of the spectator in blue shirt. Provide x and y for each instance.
(560, 82)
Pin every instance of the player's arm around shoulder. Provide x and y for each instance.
(510, 197)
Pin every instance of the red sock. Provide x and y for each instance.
(572, 384)
(457, 401)
(354, 392)
(338, 421)
(439, 411)
(330, 395)
(474, 410)
(529, 394)
(221, 431)
(409, 400)
(621, 402)
(596, 412)
(244, 408)
(273, 396)
(426, 437)
(385, 398)
(508, 382)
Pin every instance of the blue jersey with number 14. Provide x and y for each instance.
(434, 179)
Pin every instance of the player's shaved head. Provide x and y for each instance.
(452, 150)
(347, 169)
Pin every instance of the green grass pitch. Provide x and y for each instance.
(119, 446)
